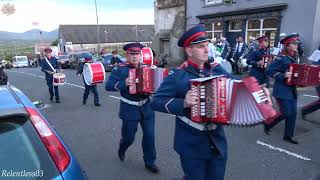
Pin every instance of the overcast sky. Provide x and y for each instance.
(49, 14)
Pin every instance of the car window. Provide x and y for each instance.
(22, 150)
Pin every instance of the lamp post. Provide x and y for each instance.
(98, 30)
(106, 33)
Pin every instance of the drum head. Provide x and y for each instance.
(227, 66)
(87, 74)
(147, 56)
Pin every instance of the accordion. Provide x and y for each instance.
(231, 102)
(304, 75)
(146, 80)
(267, 59)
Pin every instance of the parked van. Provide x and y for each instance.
(20, 61)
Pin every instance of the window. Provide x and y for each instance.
(259, 27)
(213, 2)
(235, 26)
(214, 30)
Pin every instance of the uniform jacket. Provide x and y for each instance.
(253, 60)
(46, 67)
(188, 141)
(116, 82)
(277, 70)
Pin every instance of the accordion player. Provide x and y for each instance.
(231, 102)
(304, 75)
(146, 80)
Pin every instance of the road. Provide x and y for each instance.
(92, 133)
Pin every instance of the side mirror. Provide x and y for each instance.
(38, 104)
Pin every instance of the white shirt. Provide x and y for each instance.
(212, 50)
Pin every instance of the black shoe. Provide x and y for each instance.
(290, 140)
(51, 98)
(121, 155)
(97, 104)
(152, 168)
(266, 129)
(58, 101)
(84, 102)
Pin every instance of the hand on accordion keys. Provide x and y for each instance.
(289, 74)
(260, 63)
(190, 99)
(128, 82)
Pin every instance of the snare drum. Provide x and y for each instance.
(59, 79)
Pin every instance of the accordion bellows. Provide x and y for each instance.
(146, 80)
(231, 102)
(304, 75)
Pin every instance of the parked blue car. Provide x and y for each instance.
(106, 59)
(30, 147)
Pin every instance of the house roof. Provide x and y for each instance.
(87, 34)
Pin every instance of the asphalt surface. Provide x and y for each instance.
(92, 134)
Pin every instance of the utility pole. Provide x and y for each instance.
(136, 32)
(98, 29)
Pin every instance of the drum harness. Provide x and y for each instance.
(50, 65)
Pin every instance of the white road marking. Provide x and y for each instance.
(307, 95)
(45, 77)
(283, 151)
(116, 97)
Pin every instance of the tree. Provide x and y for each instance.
(8, 9)
(55, 42)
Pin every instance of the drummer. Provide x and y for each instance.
(93, 87)
(49, 67)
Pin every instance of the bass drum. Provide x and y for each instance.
(93, 73)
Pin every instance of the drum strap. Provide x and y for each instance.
(49, 64)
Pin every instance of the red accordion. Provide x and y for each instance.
(304, 75)
(146, 80)
(267, 59)
(231, 102)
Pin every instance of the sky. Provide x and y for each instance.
(49, 14)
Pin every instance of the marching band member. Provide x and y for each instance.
(88, 88)
(255, 59)
(49, 67)
(134, 109)
(202, 149)
(286, 95)
(312, 106)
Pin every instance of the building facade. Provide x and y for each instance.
(169, 17)
(255, 18)
(74, 38)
